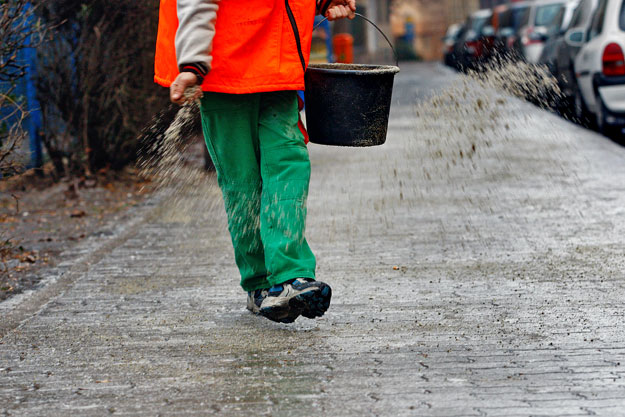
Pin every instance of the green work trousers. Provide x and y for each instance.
(263, 171)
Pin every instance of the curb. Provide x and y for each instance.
(74, 263)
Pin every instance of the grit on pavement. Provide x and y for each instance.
(477, 261)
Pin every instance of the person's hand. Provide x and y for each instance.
(178, 88)
(340, 9)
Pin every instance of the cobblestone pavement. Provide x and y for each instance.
(477, 261)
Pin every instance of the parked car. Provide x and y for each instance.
(559, 55)
(545, 17)
(600, 68)
(449, 41)
(557, 30)
(500, 17)
(475, 42)
(510, 22)
(499, 13)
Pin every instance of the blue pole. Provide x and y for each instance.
(326, 28)
(33, 107)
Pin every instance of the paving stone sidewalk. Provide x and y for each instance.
(475, 272)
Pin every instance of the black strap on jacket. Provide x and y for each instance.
(298, 42)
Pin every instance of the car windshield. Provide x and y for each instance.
(452, 32)
(546, 15)
(621, 19)
(516, 17)
(478, 23)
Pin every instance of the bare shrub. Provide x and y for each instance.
(95, 83)
(19, 29)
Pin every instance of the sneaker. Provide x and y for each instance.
(287, 301)
(255, 299)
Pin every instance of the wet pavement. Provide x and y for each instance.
(477, 261)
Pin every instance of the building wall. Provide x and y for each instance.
(430, 19)
(457, 10)
(378, 12)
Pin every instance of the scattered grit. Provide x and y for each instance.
(167, 156)
(460, 123)
(456, 128)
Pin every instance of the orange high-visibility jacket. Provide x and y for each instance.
(259, 45)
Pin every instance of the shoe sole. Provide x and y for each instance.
(310, 304)
(279, 314)
(313, 304)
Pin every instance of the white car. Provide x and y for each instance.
(546, 17)
(600, 68)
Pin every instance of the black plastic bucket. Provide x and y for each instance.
(349, 104)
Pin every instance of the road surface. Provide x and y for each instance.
(477, 261)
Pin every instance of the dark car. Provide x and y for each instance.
(450, 39)
(501, 16)
(559, 55)
(554, 33)
(510, 23)
(475, 41)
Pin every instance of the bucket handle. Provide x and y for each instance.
(375, 26)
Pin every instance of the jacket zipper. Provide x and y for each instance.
(289, 12)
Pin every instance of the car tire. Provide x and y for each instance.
(613, 132)
(565, 106)
(564, 103)
(581, 112)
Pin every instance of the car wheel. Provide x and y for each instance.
(582, 115)
(564, 103)
(565, 107)
(611, 131)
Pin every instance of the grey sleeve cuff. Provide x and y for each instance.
(196, 29)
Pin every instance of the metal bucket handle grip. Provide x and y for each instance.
(375, 26)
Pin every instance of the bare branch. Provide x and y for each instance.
(103, 57)
(20, 28)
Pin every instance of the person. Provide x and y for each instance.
(249, 57)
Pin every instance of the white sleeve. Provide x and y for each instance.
(196, 29)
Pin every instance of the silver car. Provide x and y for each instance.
(546, 17)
